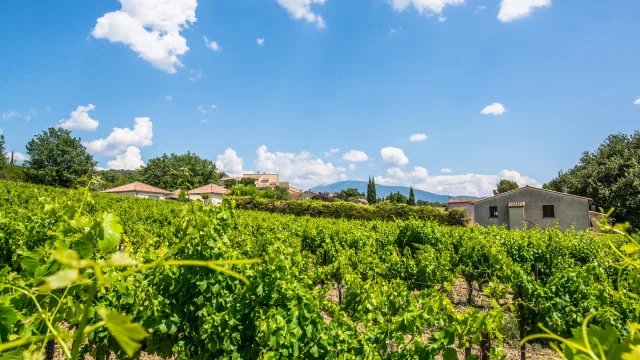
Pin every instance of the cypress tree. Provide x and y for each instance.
(412, 197)
(371, 191)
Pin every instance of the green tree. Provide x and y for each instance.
(229, 183)
(166, 171)
(248, 182)
(412, 197)
(57, 159)
(350, 194)
(610, 176)
(112, 178)
(282, 192)
(243, 190)
(397, 198)
(371, 191)
(3, 153)
(505, 185)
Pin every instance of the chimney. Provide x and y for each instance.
(564, 188)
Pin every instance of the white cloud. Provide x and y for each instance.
(517, 9)
(331, 152)
(494, 109)
(130, 160)
(341, 169)
(393, 30)
(195, 75)
(18, 157)
(121, 138)
(355, 156)
(394, 156)
(80, 120)
(260, 41)
(479, 9)
(301, 9)
(213, 45)
(442, 18)
(151, 28)
(637, 102)
(10, 114)
(424, 6)
(467, 184)
(230, 162)
(352, 167)
(418, 137)
(168, 97)
(301, 169)
(214, 107)
(201, 109)
(446, 171)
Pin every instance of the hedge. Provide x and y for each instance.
(345, 210)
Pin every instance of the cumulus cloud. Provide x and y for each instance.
(331, 152)
(517, 9)
(230, 162)
(352, 167)
(467, 184)
(301, 169)
(355, 156)
(393, 156)
(446, 171)
(130, 160)
(424, 6)
(151, 28)
(80, 120)
(18, 157)
(637, 102)
(494, 109)
(418, 137)
(121, 138)
(260, 41)
(213, 45)
(301, 9)
(10, 114)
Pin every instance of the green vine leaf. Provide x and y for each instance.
(60, 280)
(109, 233)
(127, 334)
(8, 317)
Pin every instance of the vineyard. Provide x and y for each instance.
(100, 274)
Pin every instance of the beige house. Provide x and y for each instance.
(263, 181)
(140, 190)
(208, 194)
(533, 207)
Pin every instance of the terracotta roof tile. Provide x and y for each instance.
(462, 200)
(516, 204)
(136, 186)
(209, 189)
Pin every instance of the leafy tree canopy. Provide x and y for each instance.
(248, 182)
(3, 153)
(350, 195)
(397, 198)
(610, 176)
(505, 185)
(166, 171)
(243, 190)
(57, 159)
(113, 178)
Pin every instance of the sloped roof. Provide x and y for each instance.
(209, 189)
(534, 188)
(462, 200)
(516, 204)
(138, 187)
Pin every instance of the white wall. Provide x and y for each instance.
(142, 194)
(215, 199)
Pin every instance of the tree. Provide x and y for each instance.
(229, 183)
(112, 178)
(609, 176)
(350, 194)
(371, 191)
(167, 171)
(412, 197)
(3, 153)
(248, 182)
(243, 190)
(282, 192)
(323, 196)
(57, 159)
(397, 198)
(505, 185)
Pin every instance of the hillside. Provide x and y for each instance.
(384, 190)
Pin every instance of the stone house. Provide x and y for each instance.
(212, 192)
(466, 204)
(140, 190)
(534, 207)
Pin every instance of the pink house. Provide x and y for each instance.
(465, 203)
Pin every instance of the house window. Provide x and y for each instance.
(493, 211)
(548, 211)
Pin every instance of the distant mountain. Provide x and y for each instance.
(384, 190)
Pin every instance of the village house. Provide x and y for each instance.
(534, 207)
(140, 190)
(208, 194)
(263, 181)
(464, 203)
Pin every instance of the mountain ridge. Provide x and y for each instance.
(384, 190)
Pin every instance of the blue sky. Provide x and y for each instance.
(553, 79)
